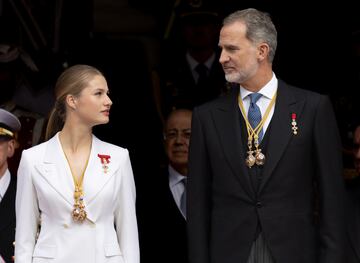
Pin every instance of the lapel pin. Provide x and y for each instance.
(294, 124)
(104, 159)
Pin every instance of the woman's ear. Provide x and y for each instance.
(71, 101)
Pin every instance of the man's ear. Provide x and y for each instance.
(71, 101)
(11, 148)
(263, 51)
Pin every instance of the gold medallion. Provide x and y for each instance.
(79, 213)
(259, 157)
(250, 159)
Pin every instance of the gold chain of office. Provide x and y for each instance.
(78, 213)
(255, 156)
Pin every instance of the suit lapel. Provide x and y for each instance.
(55, 170)
(95, 177)
(281, 133)
(226, 119)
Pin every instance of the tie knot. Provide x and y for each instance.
(201, 69)
(254, 97)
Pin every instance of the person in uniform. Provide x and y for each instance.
(9, 126)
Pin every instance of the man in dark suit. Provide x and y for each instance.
(9, 125)
(167, 202)
(173, 189)
(190, 72)
(255, 158)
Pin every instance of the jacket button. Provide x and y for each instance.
(65, 226)
(259, 204)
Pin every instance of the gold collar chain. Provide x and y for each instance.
(253, 135)
(78, 213)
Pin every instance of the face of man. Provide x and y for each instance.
(7, 148)
(356, 151)
(177, 137)
(239, 57)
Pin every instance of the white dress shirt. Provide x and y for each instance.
(268, 91)
(176, 186)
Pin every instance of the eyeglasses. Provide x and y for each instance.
(173, 134)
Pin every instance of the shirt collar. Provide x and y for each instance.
(193, 63)
(174, 176)
(267, 91)
(4, 182)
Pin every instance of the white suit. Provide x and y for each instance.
(45, 193)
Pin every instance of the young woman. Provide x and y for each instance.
(76, 194)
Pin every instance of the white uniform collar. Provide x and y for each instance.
(4, 183)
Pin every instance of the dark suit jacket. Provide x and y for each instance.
(161, 225)
(353, 221)
(224, 210)
(7, 222)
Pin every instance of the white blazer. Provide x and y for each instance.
(44, 197)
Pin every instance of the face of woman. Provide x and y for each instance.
(93, 104)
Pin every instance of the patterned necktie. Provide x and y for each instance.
(183, 198)
(254, 113)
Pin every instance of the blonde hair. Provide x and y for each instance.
(71, 82)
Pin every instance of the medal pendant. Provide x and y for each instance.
(105, 168)
(259, 157)
(294, 124)
(79, 213)
(294, 128)
(250, 159)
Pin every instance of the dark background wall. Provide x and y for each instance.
(125, 39)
